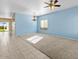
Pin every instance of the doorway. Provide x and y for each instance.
(7, 25)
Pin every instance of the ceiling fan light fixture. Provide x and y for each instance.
(34, 18)
(51, 7)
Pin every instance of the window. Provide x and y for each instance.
(4, 26)
(44, 24)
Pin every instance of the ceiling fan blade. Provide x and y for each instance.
(55, 1)
(57, 5)
(46, 3)
(46, 6)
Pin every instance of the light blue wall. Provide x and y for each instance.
(24, 24)
(63, 23)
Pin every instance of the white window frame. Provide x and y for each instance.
(44, 24)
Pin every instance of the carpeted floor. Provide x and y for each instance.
(56, 47)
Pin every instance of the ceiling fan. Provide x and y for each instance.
(52, 4)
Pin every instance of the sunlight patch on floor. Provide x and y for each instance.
(35, 39)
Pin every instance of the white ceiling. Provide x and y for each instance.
(31, 6)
